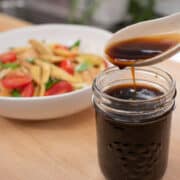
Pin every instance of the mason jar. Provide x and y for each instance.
(133, 135)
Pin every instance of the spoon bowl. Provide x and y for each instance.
(167, 25)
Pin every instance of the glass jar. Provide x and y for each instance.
(133, 135)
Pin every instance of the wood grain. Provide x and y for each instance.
(65, 149)
(8, 22)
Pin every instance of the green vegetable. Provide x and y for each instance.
(83, 66)
(15, 93)
(31, 60)
(76, 44)
(9, 65)
(51, 82)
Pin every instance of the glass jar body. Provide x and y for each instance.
(133, 136)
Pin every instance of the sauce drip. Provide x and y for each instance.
(133, 76)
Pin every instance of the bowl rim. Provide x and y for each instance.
(36, 27)
(45, 27)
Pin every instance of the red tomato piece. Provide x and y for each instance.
(28, 90)
(67, 66)
(59, 88)
(59, 46)
(8, 57)
(16, 81)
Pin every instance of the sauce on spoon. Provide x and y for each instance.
(128, 52)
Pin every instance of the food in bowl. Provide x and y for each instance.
(45, 69)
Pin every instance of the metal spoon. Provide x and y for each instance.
(169, 24)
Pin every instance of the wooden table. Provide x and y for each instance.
(64, 149)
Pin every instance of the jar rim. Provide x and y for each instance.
(147, 69)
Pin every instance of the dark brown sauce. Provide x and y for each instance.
(125, 53)
(127, 91)
(133, 151)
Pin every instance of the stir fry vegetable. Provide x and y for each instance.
(42, 69)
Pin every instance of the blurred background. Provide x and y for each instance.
(108, 14)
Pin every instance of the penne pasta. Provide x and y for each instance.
(61, 74)
(51, 58)
(64, 52)
(29, 53)
(40, 48)
(46, 71)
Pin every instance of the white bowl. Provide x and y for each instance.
(41, 108)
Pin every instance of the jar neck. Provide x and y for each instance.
(141, 109)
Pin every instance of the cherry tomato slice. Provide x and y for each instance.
(28, 90)
(59, 88)
(59, 46)
(16, 81)
(8, 57)
(67, 66)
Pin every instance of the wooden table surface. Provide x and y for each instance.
(65, 149)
